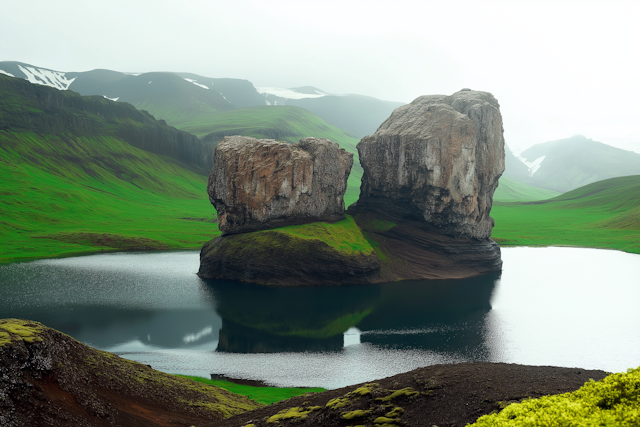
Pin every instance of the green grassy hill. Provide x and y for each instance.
(283, 123)
(605, 214)
(71, 179)
(511, 190)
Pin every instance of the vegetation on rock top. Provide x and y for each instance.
(344, 236)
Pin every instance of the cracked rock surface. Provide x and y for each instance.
(257, 184)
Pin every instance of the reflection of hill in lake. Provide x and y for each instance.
(443, 315)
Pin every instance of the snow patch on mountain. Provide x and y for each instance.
(6, 74)
(111, 99)
(195, 83)
(533, 166)
(41, 76)
(287, 93)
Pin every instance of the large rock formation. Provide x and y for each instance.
(258, 186)
(430, 171)
(261, 184)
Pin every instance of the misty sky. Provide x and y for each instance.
(558, 68)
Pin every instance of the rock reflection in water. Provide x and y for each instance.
(438, 315)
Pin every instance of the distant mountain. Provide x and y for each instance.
(566, 164)
(46, 112)
(358, 114)
(514, 168)
(179, 97)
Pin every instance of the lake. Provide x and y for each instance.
(570, 307)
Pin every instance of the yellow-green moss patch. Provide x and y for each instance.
(296, 413)
(358, 413)
(613, 401)
(17, 329)
(408, 391)
(344, 236)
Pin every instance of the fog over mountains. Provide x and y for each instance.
(176, 97)
(194, 103)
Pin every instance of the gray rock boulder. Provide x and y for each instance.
(439, 159)
(257, 184)
(430, 172)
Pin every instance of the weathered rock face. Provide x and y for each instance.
(430, 172)
(261, 184)
(437, 159)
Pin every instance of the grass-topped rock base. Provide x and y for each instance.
(319, 253)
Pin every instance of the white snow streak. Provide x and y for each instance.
(533, 166)
(149, 82)
(41, 76)
(287, 93)
(5, 73)
(111, 99)
(197, 84)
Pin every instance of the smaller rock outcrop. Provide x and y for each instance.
(257, 184)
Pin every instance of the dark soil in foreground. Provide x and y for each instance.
(439, 395)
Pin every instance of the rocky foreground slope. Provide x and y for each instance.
(439, 395)
(430, 172)
(49, 379)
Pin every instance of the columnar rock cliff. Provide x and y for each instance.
(430, 171)
(261, 184)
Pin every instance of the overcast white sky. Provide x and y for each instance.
(558, 67)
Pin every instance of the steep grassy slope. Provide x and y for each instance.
(511, 190)
(277, 122)
(603, 215)
(69, 181)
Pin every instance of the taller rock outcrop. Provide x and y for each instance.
(430, 172)
(257, 184)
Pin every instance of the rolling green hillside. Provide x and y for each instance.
(511, 190)
(605, 214)
(71, 179)
(283, 123)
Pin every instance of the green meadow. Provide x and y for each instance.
(64, 195)
(605, 214)
(266, 395)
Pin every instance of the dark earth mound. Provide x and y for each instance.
(49, 379)
(438, 395)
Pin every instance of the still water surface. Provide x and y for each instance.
(549, 306)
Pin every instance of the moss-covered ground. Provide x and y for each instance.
(344, 236)
(605, 214)
(266, 395)
(614, 401)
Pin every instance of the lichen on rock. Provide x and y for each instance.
(257, 184)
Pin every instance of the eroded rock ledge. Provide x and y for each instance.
(430, 172)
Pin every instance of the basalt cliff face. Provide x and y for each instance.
(430, 172)
(257, 184)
